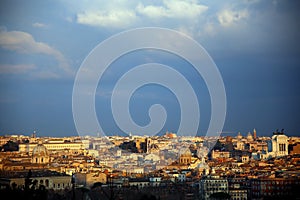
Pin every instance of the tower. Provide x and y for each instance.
(254, 134)
(148, 146)
(33, 135)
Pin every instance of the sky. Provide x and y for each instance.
(252, 42)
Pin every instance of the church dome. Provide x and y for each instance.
(239, 136)
(249, 137)
(40, 150)
(185, 156)
(185, 152)
(40, 154)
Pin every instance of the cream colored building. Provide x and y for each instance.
(219, 154)
(278, 145)
(249, 137)
(88, 179)
(49, 179)
(240, 145)
(185, 156)
(75, 146)
(40, 155)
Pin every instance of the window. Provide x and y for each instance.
(47, 183)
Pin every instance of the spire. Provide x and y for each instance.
(33, 135)
(254, 133)
(239, 136)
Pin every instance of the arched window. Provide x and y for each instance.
(47, 183)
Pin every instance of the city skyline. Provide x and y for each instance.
(241, 167)
(253, 44)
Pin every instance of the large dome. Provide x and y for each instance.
(40, 150)
(185, 152)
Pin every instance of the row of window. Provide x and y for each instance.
(215, 181)
(274, 187)
(60, 186)
(63, 147)
(216, 185)
(239, 198)
(239, 194)
(46, 183)
(270, 194)
(43, 182)
(215, 189)
(274, 182)
(41, 159)
(282, 147)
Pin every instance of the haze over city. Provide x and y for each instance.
(253, 44)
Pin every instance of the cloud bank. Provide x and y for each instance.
(24, 43)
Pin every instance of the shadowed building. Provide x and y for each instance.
(49, 179)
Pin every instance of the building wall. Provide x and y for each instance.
(220, 154)
(238, 194)
(274, 187)
(55, 182)
(209, 186)
(278, 146)
(88, 179)
(295, 149)
(281, 145)
(51, 147)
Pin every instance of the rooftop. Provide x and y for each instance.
(35, 173)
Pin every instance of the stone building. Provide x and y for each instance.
(40, 154)
(275, 188)
(219, 154)
(278, 145)
(49, 179)
(211, 184)
(185, 157)
(75, 147)
(88, 179)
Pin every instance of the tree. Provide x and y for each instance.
(218, 146)
(10, 146)
(96, 185)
